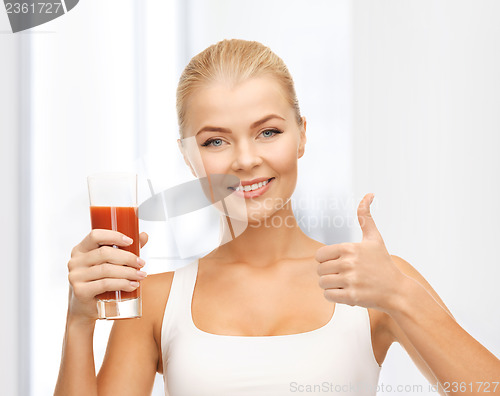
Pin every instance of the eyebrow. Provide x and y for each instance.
(254, 125)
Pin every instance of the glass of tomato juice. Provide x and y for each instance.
(113, 206)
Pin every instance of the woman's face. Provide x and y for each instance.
(248, 131)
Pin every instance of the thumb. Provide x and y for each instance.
(365, 219)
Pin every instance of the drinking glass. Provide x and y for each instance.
(113, 206)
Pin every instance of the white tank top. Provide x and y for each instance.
(336, 358)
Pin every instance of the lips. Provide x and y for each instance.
(255, 193)
(250, 182)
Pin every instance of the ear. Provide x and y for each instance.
(303, 139)
(181, 148)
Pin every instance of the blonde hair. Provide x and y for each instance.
(233, 61)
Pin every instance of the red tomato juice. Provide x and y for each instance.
(124, 220)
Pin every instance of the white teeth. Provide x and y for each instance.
(254, 186)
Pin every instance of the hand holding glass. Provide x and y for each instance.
(113, 206)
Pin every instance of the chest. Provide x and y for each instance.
(256, 306)
(244, 305)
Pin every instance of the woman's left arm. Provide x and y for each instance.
(421, 323)
(365, 274)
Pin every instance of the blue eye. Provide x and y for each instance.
(210, 141)
(274, 131)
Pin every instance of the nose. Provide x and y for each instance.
(246, 157)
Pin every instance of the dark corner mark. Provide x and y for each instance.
(26, 14)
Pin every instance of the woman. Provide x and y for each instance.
(270, 311)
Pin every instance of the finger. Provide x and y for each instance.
(108, 270)
(100, 237)
(333, 252)
(368, 227)
(109, 284)
(143, 239)
(338, 295)
(331, 267)
(108, 254)
(332, 281)
(328, 252)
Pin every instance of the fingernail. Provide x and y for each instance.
(371, 200)
(128, 240)
(134, 284)
(142, 274)
(140, 261)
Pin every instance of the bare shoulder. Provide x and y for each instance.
(405, 267)
(397, 334)
(385, 330)
(156, 290)
(409, 270)
(133, 353)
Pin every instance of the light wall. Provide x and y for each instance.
(426, 135)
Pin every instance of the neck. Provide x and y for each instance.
(263, 243)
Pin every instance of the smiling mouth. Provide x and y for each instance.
(253, 187)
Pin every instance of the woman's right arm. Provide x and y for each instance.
(77, 371)
(94, 267)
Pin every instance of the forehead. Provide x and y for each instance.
(222, 105)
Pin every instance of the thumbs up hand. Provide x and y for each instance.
(360, 273)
